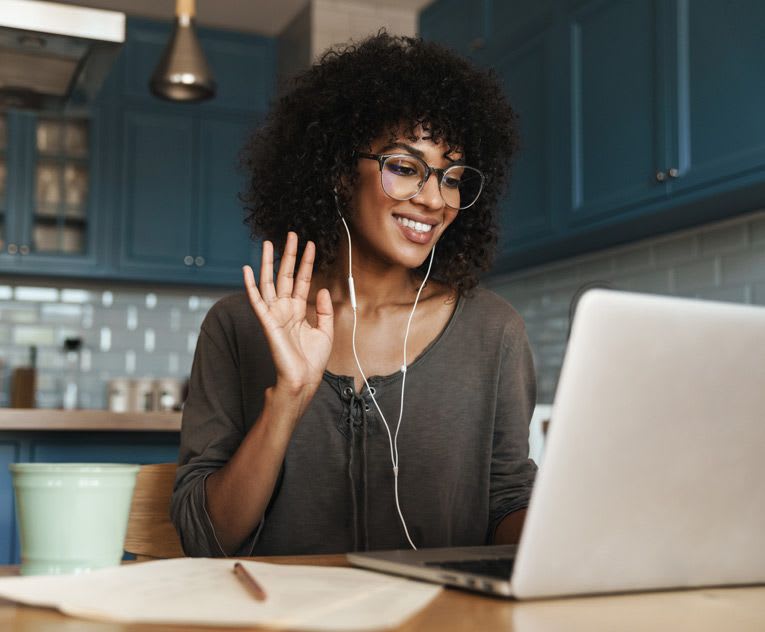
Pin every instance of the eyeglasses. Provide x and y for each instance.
(403, 176)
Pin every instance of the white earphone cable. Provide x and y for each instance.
(392, 440)
(406, 338)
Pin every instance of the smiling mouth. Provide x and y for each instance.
(418, 227)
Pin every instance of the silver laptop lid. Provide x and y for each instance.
(654, 472)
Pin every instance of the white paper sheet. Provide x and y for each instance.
(201, 591)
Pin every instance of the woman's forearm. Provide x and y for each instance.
(237, 495)
(510, 528)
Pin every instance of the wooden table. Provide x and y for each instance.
(706, 610)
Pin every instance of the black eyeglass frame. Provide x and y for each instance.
(381, 158)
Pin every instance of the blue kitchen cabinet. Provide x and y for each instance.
(222, 238)
(157, 193)
(61, 235)
(527, 70)
(180, 214)
(664, 120)
(71, 447)
(719, 94)
(9, 453)
(665, 111)
(636, 117)
(95, 447)
(14, 155)
(163, 177)
(617, 125)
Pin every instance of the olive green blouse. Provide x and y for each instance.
(463, 441)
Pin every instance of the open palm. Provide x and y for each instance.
(300, 351)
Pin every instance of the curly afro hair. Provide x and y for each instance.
(305, 152)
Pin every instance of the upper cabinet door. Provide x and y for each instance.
(157, 193)
(14, 170)
(617, 122)
(526, 210)
(720, 96)
(47, 167)
(223, 242)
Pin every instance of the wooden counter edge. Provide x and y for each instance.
(46, 420)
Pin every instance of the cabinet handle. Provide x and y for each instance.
(188, 260)
(661, 176)
(673, 172)
(200, 261)
(24, 250)
(12, 249)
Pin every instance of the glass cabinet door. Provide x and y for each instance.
(60, 223)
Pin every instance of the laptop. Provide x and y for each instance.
(654, 469)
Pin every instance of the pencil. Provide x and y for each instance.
(248, 581)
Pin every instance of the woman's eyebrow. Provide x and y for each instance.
(409, 148)
(417, 152)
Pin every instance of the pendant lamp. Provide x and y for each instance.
(183, 73)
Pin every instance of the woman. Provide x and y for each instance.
(311, 426)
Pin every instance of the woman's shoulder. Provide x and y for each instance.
(231, 326)
(490, 309)
(229, 314)
(230, 305)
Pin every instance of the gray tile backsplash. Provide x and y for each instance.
(150, 332)
(723, 261)
(126, 332)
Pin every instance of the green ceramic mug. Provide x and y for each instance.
(72, 517)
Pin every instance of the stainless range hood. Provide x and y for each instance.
(55, 56)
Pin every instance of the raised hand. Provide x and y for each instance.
(300, 352)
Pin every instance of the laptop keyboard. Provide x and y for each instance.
(493, 567)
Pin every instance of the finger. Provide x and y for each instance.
(267, 290)
(256, 301)
(287, 267)
(305, 271)
(325, 313)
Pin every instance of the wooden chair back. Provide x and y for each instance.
(150, 534)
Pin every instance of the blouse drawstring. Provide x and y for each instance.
(357, 403)
(351, 441)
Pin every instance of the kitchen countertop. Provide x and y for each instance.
(46, 419)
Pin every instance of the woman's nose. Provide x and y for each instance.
(430, 194)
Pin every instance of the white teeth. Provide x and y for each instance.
(418, 226)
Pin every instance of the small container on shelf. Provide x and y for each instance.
(167, 394)
(72, 348)
(142, 395)
(118, 392)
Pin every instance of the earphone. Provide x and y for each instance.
(392, 439)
